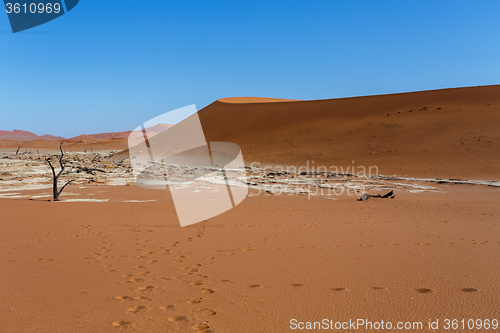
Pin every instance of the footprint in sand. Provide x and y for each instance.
(196, 283)
(296, 285)
(207, 291)
(144, 288)
(136, 309)
(338, 289)
(366, 245)
(377, 288)
(163, 278)
(253, 286)
(423, 291)
(44, 259)
(177, 318)
(133, 281)
(422, 244)
(468, 290)
(138, 267)
(201, 326)
(208, 312)
(226, 281)
(194, 300)
(121, 323)
(167, 307)
(127, 275)
(123, 298)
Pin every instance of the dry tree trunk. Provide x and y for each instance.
(55, 178)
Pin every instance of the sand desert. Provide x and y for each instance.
(300, 249)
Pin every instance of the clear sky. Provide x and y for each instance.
(112, 65)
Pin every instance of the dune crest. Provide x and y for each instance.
(248, 100)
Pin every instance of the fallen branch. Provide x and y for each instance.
(366, 196)
(90, 171)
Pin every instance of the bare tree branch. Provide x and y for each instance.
(60, 160)
(62, 188)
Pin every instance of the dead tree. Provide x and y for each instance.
(55, 178)
(17, 151)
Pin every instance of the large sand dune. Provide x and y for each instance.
(450, 133)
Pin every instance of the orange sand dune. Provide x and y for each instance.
(449, 133)
(101, 137)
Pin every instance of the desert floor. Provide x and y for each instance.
(115, 265)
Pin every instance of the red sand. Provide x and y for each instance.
(71, 267)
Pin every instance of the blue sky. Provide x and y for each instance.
(112, 65)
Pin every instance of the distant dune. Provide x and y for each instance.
(100, 137)
(106, 141)
(449, 133)
(20, 135)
